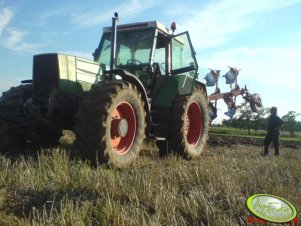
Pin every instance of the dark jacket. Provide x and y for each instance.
(274, 125)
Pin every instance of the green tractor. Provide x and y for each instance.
(141, 85)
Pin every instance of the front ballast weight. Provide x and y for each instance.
(212, 79)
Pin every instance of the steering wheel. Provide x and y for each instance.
(133, 61)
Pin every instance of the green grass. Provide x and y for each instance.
(254, 134)
(53, 189)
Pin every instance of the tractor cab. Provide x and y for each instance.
(152, 53)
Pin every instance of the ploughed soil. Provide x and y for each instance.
(225, 140)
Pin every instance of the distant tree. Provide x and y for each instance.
(298, 126)
(227, 123)
(236, 123)
(290, 123)
(259, 119)
(244, 118)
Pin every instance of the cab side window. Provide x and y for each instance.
(182, 53)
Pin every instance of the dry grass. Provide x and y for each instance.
(53, 189)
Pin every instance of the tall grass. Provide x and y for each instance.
(53, 189)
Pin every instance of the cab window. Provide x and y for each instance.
(182, 53)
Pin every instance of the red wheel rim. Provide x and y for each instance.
(193, 125)
(123, 128)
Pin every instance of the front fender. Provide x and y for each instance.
(129, 77)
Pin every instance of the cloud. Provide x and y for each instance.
(216, 21)
(63, 10)
(95, 14)
(266, 66)
(5, 16)
(13, 38)
(129, 9)
(272, 72)
(6, 84)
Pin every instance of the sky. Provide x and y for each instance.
(261, 37)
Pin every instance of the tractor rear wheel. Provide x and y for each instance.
(17, 135)
(111, 124)
(11, 102)
(188, 125)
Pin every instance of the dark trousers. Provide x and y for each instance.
(268, 140)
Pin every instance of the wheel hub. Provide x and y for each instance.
(123, 128)
(120, 127)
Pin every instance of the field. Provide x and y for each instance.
(52, 188)
(254, 134)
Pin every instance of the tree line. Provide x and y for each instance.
(247, 119)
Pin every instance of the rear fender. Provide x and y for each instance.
(202, 86)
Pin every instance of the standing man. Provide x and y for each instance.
(274, 126)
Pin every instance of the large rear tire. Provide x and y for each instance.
(189, 124)
(11, 102)
(17, 135)
(110, 124)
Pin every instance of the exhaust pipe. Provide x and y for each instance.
(113, 44)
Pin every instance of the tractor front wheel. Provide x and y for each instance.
(188, 125)
(111, 124)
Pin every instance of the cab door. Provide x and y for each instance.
(184, 66)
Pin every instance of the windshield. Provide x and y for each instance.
(133, 48)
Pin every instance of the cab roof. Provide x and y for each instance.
(140, 25)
